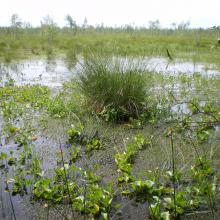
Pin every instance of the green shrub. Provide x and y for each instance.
(114, 89)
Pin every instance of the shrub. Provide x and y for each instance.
(114, 89)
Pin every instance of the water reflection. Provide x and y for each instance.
(50, 73)
(53, 72)
(71, 59)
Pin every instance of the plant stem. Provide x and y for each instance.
(12, 206)
(84, 203)
(174, 173)
(66, 179)
(48, 212)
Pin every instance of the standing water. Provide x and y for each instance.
(53, 73)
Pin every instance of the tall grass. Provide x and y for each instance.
(199, 45)
(113, 87)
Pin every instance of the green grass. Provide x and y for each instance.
(197, 45)
(119, 91)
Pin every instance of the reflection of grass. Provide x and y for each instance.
(181, 44)
(71, 58)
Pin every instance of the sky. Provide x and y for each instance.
(200, 13)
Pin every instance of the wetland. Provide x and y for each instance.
(101, 124)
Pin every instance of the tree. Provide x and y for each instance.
(48, 27)
(184, 25)
(85, 23)
(173, 25)
(27, 25)
(70, 22)
(154, 24)
(48, 21)
(15, 21)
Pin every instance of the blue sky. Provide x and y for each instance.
(200, 13)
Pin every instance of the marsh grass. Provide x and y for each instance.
(196, 44)
(113, 88)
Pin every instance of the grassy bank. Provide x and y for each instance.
(196, 45)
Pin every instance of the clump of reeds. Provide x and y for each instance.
(113, 87)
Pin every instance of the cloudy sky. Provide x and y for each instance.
(200, 13)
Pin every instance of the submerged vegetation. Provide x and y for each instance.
(118, 141)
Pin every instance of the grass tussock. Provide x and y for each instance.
(113, 89)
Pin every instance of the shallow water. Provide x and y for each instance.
(48, 73)
(178, 66)
(53, 73)
(46, 147)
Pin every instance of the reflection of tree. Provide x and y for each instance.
(71, 59)
(50, 66)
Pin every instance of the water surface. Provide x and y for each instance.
(53, 73)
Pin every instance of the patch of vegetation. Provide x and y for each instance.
(167, 194)
(114, 92)
(50, 40)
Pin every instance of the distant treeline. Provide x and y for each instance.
(16, 22)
